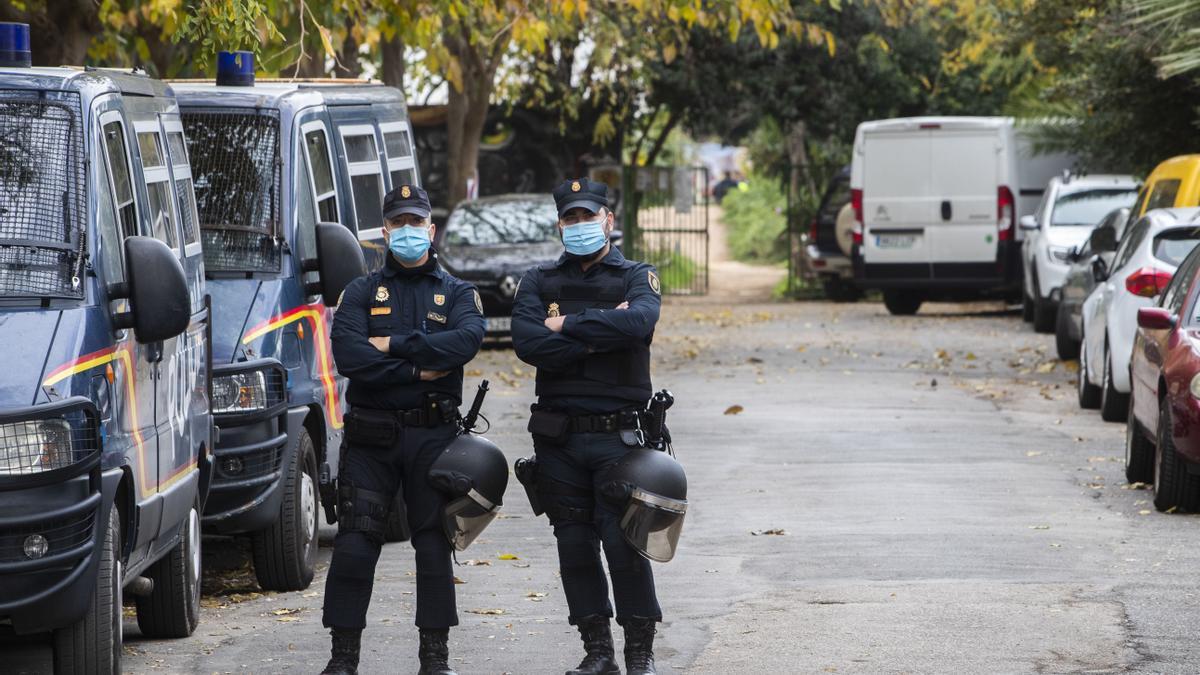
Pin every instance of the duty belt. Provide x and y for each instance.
(605, 424)
(416, 417)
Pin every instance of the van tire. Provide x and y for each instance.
(1139, 451)
(1173, 485)
(285, 554)
(1026, 308)
(1114, 405)
(1044, 314)
(902, 303)
(1068, 348)
(93, 644)
(1089, 394)
(172, 609)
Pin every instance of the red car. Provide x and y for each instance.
(1162, 438)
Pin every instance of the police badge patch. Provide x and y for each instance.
(478, 302)
(654, 283)
(405, 192)
(552, 311)
(439, 299)
(381, 294)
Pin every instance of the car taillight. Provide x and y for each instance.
(1147, 282)
(1006, 214)
(856, 202)
(812, 230)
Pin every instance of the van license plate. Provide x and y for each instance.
(895, 240)
(499, 324)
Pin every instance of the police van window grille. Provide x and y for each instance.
(42, 196)
(236, 176)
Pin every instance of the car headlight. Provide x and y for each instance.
(240, 392)
(35, 446)
(1058, 254)
(1195, 387)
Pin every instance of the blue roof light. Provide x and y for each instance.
(14, 45)
(235, 69)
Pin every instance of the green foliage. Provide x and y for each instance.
(676, 272)
(215, 26)
(755, 226)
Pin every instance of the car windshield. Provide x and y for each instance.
(42, 202)
(1174, 245)
(1087, 207)
(508, 221)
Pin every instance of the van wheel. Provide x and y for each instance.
(172, 609)
(1026, 308)
(397, 520)
(1114, 405)
(1139, 451)
(1067, 348)
(1044, 314)
(1089, 394)
(901, 303)
(1173, 487)
(93, 644)
(285, 554)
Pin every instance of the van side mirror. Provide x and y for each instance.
(1155, 318)
(160, 306)
(1104, 239)
(1029, 222)
(339, 261)
(1099, 269)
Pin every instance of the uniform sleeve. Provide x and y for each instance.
(449, 349)
(534, 343)
(609, 329)
(355, 356)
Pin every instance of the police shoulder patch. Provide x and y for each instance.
(478, 301)
(340, 296)
(654, 283)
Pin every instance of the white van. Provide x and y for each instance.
(938, 200)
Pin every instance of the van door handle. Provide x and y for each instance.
(946, 209)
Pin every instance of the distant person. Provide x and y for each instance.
(724, 186)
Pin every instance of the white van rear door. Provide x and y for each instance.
(896, 199)
(964, 175)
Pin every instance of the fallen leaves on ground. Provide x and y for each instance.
(487, 612)
(777, 531)
(507, 556)
(475, 563)
(734, 409)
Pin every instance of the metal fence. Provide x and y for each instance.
(665, 220)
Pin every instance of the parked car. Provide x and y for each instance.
(290, 176)
(1162, 439)
(1142, 267)
(493, 241)
(1070, 209)
(104, 427)
(1081, 279)
(937, 201)
(830, 241)
(1173, 183)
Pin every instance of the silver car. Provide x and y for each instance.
(1146, 259)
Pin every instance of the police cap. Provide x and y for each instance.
(580, 193)
(406, 199)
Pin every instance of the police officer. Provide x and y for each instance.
(401, 336)
(586, 323)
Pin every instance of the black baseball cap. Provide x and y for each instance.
(406, 199)
(580, 193)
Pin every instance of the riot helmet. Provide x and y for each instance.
(649, 489)
(473, 473)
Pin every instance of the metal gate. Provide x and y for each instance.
(665, 223)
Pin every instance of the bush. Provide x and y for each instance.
(755, 226)
(676, 272)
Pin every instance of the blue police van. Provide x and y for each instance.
(105, 431)
(290, 177)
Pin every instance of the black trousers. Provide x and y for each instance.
(352, 569)
(581, 462)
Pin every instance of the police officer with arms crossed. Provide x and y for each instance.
(586, 323)
(401, 335)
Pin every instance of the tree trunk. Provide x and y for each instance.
(672, 120)
(466, 111)
(349, 64)
(798, 156)
(392, 71)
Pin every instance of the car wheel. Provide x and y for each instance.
(93, 644)
(1067, 348)
(902, 303)
(172, 609)
(840, 290)
(1139, 451)
(1026, 308)
(285, 554)
(1044, 313)
(1173, 486)
(1089, 394)
(1114, 405)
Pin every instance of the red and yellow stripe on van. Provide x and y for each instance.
(316, 316)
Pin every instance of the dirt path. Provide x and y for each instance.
(732, 281)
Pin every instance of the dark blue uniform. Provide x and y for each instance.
(598, 365)
(435, 323)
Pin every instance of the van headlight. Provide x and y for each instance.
(240, 392)
(1059, 254)
(35, 446)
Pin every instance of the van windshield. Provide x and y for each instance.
(42, 205)
(1088, 207)
(236, 167)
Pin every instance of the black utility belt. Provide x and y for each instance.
(372, 426)
(555, 425)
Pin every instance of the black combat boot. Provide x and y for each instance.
(344, 653)
(597, 642)
(434, 652)
(639, 646)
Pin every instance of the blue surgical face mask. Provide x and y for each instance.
(409, 242)
(585, 238)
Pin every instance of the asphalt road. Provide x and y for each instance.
(895, 495)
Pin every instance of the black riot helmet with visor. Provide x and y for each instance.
(649, 489)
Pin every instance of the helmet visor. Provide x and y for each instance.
(466, 517)
(652, 523)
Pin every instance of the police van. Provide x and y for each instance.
(104, 403)
(290, 178)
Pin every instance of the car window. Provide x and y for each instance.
(119, 172)
(177, 151)
(366, 175)
(1176, 292)
(1088, 207)
(1173, 246)
(503, 222)
(1162, 195)
(158, 188)
(837, 197)
(324, 189)
(1130, 243)
(1137, 207)
(397, 145)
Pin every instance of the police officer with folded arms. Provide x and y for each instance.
(401, 336)
(586, 323)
